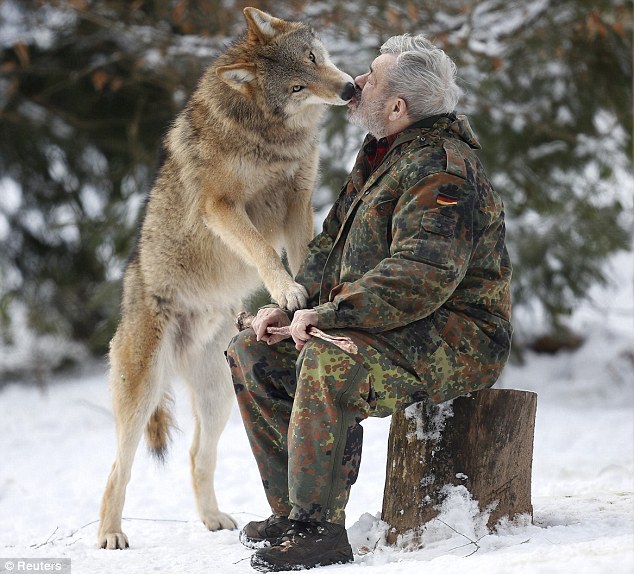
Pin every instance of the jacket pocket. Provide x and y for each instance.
(385, 207)
(384, 211)
(435, 237)
(372, 227)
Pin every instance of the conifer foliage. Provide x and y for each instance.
(89, 87)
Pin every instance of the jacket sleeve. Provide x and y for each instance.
(309, 274)
(429, 255)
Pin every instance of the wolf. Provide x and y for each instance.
(240, 164)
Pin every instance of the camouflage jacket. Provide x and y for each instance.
(418, 239)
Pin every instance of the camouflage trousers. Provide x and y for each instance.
(302, 413)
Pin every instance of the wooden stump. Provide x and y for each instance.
(483, 441)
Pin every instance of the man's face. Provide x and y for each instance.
(370, 107)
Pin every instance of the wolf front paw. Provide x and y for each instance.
(113, 541)
(292, 297)
(219, 521)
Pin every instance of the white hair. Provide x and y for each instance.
(424, 76)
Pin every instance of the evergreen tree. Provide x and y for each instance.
(89, 90)
(548, 88)
(89, 87)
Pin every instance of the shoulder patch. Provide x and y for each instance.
(455, 159)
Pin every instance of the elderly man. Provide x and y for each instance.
(412, 266)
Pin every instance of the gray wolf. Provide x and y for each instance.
(234, 190)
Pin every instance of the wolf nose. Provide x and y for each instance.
(348, 91)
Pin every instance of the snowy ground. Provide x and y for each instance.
(57, 447)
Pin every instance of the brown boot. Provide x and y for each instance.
(305, 545)
(258, 534)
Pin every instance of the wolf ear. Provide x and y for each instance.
(261, 26)
(237, 76)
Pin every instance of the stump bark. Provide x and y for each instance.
(483, 441)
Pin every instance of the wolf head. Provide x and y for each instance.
(283, 68)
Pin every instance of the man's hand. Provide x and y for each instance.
(270, 317)
(302, 320)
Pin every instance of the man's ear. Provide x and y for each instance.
(260, 25)
(399, 109)
(237, 76)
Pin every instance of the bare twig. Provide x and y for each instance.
(52, 540)
(97, 408)
(157, 520)
(474, 542)
(363, 550)
(48, 540)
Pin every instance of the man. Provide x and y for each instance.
(412, 266)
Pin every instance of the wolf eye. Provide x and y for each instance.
(311, 57)
(298, 88)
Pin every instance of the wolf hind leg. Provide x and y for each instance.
(208, 378)
(138, 380)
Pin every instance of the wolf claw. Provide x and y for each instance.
(114, 541)
(293, 298)
(219, 521)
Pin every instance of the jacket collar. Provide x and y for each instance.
(413, 131)
(457, 124)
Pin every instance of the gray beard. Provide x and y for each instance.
(370, 117)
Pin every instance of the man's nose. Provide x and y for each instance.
(361, 80)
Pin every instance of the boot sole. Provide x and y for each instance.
(262, 565)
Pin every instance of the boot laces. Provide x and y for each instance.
(301, 530)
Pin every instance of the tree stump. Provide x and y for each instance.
(483, 441)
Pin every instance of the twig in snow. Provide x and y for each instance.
(363, 550)
(52, 540)
(157, 520)
(47, 541)
(474, 542)
(96, 408)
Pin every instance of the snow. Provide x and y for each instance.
(58, 441)
(435, 415)
(58, 445)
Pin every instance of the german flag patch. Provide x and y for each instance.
(444, 200)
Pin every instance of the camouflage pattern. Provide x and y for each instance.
(414, 252)
(412, 265)
(311, 403)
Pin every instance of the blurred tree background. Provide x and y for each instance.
(88, 88)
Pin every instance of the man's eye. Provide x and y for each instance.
(298, 88)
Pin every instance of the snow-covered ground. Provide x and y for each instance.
(57, 446)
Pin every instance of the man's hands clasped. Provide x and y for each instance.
(303, 319)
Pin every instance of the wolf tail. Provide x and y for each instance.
(158, 429)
